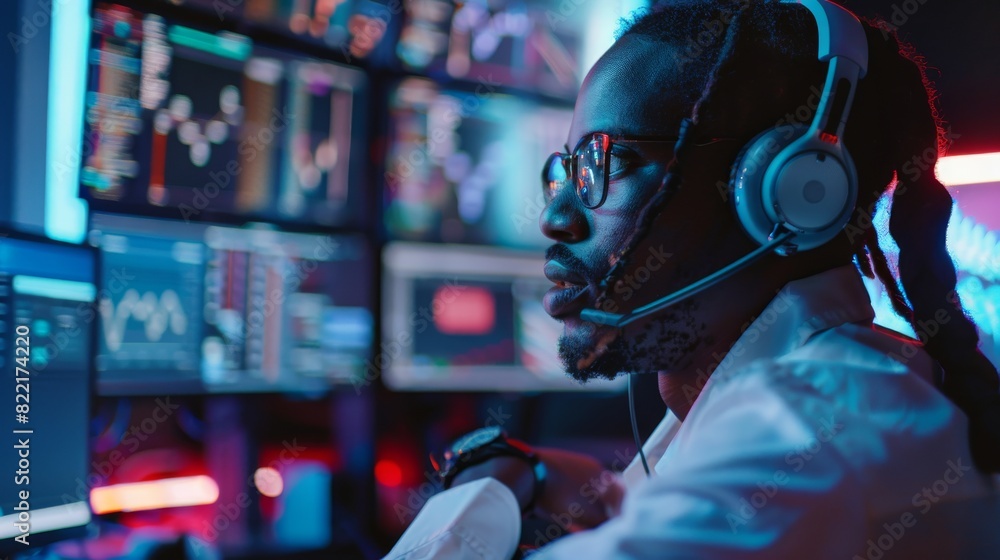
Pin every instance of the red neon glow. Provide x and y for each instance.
(388, 473)
(828, 138)
(464, 310)
(969, 169)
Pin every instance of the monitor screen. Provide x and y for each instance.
(541, 45)
(458, 319)
(151, 302)
(465, 167)
(285, 309)
(198, 307)
(47, 317)
(198, 124)
(354, 27)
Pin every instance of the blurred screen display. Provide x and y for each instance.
(282, 307)
(356, 27)
(47, 294)
(202, 307)
(151, 302)
(460, 318)
(535, 44)
(471, 324)
(974, 244)
(352, 27)
(210, 124)
(466, 167)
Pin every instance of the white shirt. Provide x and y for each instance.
(817, 436)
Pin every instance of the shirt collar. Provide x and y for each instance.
(800, 310)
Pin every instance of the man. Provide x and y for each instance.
(795, 428)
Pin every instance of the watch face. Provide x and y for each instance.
(476, 439)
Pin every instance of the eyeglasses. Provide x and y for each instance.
(590, 166)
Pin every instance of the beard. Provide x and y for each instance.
(665, 342)
(583, 361)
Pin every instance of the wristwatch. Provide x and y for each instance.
(485, 444)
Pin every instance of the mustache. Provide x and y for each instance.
(565, 257)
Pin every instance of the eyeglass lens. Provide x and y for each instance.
(588, 167)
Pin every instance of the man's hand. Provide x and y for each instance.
(576, 485)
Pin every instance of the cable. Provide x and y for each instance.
(635, 426)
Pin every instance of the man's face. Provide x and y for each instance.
(628, 94)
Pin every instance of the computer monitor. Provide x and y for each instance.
(191, 122)
(47, 321)
(193, 307)
(465, 167)
(461, 318)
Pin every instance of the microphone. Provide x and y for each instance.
(619, 320)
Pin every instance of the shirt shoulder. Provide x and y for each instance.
(856, 396)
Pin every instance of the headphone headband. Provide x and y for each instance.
(834, 21)
(843, 44)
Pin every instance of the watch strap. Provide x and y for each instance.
(505, 447)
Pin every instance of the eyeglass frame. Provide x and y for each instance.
(573, 176)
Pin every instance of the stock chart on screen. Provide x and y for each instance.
(190, 123)
(197, 307)
(465, 168)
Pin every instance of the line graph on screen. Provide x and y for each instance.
(158, 314)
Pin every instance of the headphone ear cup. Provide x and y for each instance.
(746, 179)
(810, 188)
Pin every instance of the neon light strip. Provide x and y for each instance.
(229, 45)
(969, 169)
(65, 213)
(47, 519)
(155, 494)
(54, 288)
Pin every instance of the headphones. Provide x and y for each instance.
(800, 179)
(792, 188)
